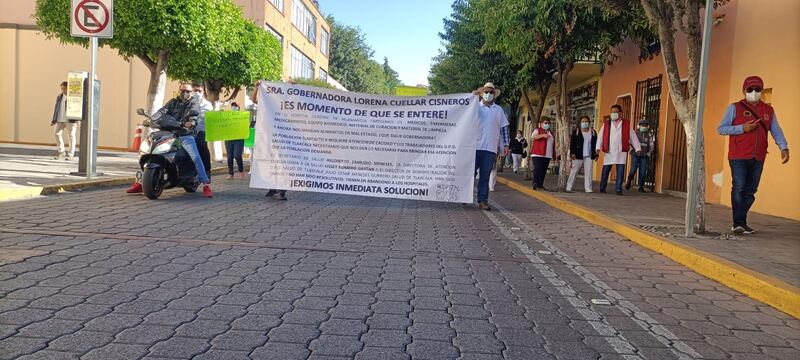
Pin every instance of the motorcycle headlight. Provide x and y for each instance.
(163, 147)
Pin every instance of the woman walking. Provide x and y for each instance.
(542, 146)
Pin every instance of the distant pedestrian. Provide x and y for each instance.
(747, 122)
(235, 150)
(61, 123)
(542, 149)
(270, 193)
(518, 147)
(492, 127)
(581, 147)
(639, 163)
(617, 137)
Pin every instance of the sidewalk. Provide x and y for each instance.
(774, 249)
(27, 170)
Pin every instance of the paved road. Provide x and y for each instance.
(340, 277)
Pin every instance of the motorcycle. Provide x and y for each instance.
(163, 161)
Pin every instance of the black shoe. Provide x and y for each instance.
(282, 196)
(271, 193)
(642, 190)
(619, 193)
(602, 191)
(628, 185)
(748, 230)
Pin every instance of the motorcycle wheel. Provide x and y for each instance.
(152, 182)
(191, 188)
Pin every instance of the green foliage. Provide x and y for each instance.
(315, 82)
(351, 61)
(390, 77)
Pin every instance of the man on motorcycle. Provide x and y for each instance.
(179, 108)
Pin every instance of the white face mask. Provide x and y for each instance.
(753, 96)
(614, 116)
(488, 97)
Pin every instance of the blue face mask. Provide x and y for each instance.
(488, 97)
(584, 125)
(546, 126)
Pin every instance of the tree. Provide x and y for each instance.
(351, 61)
(155, 31)
(390, 77)
(249, 54)
(559, 31)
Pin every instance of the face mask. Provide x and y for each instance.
(753, 96)
(186, 95)
(488, 97)
(614, 116)
(644, 128)
(584, 125)
(546, 126)
(235, 108)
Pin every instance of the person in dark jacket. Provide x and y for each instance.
(639, 162)
(518, 146)
(582, 143)
(61, 123)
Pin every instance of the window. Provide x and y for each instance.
(278, 4)
(276, 34)
(323, 75)
(324, 40)
(302, 66)
(304, 20)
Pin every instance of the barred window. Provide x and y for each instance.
(304, 20)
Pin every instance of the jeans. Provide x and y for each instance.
(235, 148)
(607, 172)
(190, 145)
(586, 164)
(638, 163)
(746, 176)
(517, 159)
(202, 146)
(484, 162)
(540, 165)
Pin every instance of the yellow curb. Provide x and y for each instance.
(29, 192)
(767, 289)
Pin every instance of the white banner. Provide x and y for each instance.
(314, 139)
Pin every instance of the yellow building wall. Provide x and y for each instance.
(282, 23)
(771, 52)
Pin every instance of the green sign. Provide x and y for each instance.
(227, 125)
(250, 141)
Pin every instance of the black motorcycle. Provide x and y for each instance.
(164, 162)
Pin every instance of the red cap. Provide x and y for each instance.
(752, 81)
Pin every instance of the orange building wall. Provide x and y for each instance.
(734, 55)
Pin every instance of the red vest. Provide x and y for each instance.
(539, 146)
(626, 135)
(752, 144)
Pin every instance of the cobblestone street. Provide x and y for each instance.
(104, 275)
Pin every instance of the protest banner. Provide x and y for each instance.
(315, 139)
(227, 125)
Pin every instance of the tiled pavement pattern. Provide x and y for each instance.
(340, 277)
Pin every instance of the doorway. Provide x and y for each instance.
(675, 165)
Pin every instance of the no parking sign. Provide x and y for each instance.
(92, 18)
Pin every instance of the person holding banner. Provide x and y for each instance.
(235, 149)
(492, 127)
(271, 192)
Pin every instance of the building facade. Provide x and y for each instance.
(744, 42)
(32, 67)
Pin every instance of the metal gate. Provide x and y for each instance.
(675, 168)
(648, 106)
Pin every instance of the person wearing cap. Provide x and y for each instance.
(639, 162)
(616, 138)
(492, 136)
(747, 122)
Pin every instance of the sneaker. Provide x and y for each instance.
(61, 156)
(748, 230)
(491, 189)
(282, 196)
(642, 191)
(484, 206)
(589, 191)
(135, 188)
(70, 157)
(738, 229)
(207, 191)
(619, 193)
(602, 191)
(270, 193)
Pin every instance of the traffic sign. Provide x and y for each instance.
(92, 18)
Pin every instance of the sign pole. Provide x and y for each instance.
(91, 146)
(691, 198)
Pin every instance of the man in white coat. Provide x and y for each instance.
(616, 138)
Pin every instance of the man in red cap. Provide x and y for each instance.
(747, 123)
